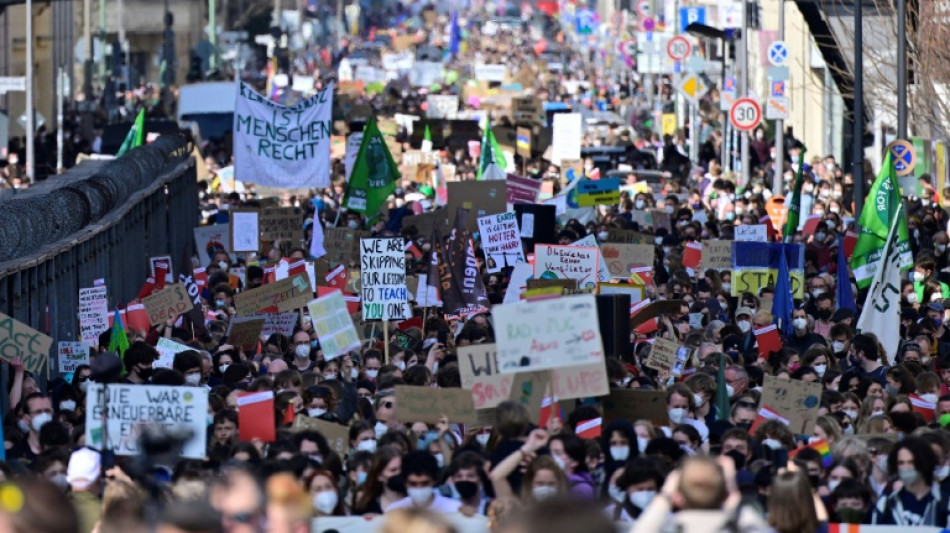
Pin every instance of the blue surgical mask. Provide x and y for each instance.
(361, 478)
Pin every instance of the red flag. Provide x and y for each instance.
(549, 408)
(201, 277)
(590, 429)
(768, 340)
(270, 275)
(337, 278)
(413, 249)
(147, 289)
(692, 255)
(642, 275)
(766, 413)
(300, 267)
(811, 224)
(256, 417)
(925, 408)
(850, 241)
(406, 325)
(289, 415)
(161, 270)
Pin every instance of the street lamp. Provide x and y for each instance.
(702, 31)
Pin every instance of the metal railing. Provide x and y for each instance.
(42, 289)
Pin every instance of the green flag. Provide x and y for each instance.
(722, 395)
(135, 136)
(118, 340)
(880, 208)
(491, 153)
(374, 174)
(428, 135)
(795, 205)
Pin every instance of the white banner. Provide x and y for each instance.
(566, 140)
(280, 146)
(132, 406)
(442, 106)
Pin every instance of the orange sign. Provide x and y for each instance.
(777, 212)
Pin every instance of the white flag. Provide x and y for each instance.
(881, 313)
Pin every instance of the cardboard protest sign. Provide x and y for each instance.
(334, 327)
(545, 334)
(245, 230)
(495, 73)
(501, 240)
(338, 436)
(755, 266)
(571, 262)
(167, 304)
(288, 294)
(211, 239)
(71, 354)
(795, 400)
(661, 219)
(425, 404)
(751, 233)
(281, 224)
(481, 198)
(245, 331)
(564, 284)
(167, 349)
(384, 294)
(282, 323)
(280, 146)
(662, 355)
(523, 144)
(605, 191)
(620, 258)
(93, 313)
(717, 254)
(528, 110)
(442, 106)
(636, 405)
(628, 236)
(571, 169)
(343, 244)
(522, 190)
(131, 407)
(530, 389)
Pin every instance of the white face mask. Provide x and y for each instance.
(420, 495)
(730, 390)
(602, 236)
(881, 463)
(84, 385)
(482, 439)
(40, 420)
(642, 443)
(929, 397)
(223, 368)
(315, 412)
(380, 429)
(833, 484)
(852, 414)
(638, 204)
(67, 405)
(330, 376)
(326, 501)
(372, 373)
(439, 459)
(353, 224)
(912, 298)
(677, 415)
(619, 453)
(658, 240)
(302, 351)
(941, 472)
(193, 379)
(744, 325)
(820, 370)
(726, 286)
(772, 444)
(616, 493)
(559, 461)
(800, 323)
(401, 365)
(837, 346)
(543, 492)
(698, 399)
(367, 446)
(642, 498)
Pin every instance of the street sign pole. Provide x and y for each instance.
(30, 130)
(744, 90)
(857, 132)
(777, 181)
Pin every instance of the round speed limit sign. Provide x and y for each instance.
(678, 48)
(745, 114)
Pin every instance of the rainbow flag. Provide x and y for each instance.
(822, 447)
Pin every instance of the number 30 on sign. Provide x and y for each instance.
(745, 114)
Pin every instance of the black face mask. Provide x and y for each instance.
(824, 314)
(144, 373)
(467, 489)
(396, 484)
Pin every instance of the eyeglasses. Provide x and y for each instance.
(387, 405)
(240, 518)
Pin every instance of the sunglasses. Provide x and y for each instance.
(387, 405)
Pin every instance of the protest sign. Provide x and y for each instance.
(338, 436)
(495, 73)
(130, 407)
(751, 233)
(426, 222)
(353, 142)
(717, 254)
(628, 236)
(167, 304)
(442, 106)
(425, 404)
(545, 334)
(528, 110)
(522, 190)
(662, 355)
(655, 309)
(481, 198)
(93, 313)
(661, 219)
(620, 258)
(334, 327)
(281, 224)
(590, 241)
(501, 241)
(167, 349)
(795, 400)
(572, 262)
(571, 169)
(288, 294)
(566, 141)
(245, 230)
(280, 146)
(383, 279)
(530, 389)
(282, 323)
(642, 217)
(635, 405)
(212, 239)
(343, 244)
(459, 522)
(523, 142)
(605, 191)
(634, 291)
(403, 340)
(755, 266)
(245, 331)
(71, 354)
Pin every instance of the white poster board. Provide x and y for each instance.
(93, 313)
(333, 324)
(566, 141)
(71, 354)
(384, 294)
(501, 240)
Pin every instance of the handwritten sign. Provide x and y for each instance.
(167, 349)
(605, 191)
(334, 327)
(245, 231)
(288, 294)
(547, 334)
(620, 258)
(131, 407)
(522, 190)
(751, 232)
(343, 244)
(529, 389)
(71, 354)
(717, 254)
(383, 279)
(795, 400)
(501, 240)
(245, 331)
(424, 404)
(210, 239)
(571, 262)
(662, 355)
(755, 265)
(281, 224)
(167, 304)
(338, 437)
(634, 405)
(282, 323)
(93, 313)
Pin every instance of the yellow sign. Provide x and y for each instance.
(754, 279)
(669, 123)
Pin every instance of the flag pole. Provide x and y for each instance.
(386, 341)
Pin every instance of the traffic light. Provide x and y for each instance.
(194, 67)
(753, 14)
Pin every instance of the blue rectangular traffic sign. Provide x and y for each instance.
(689, 15)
